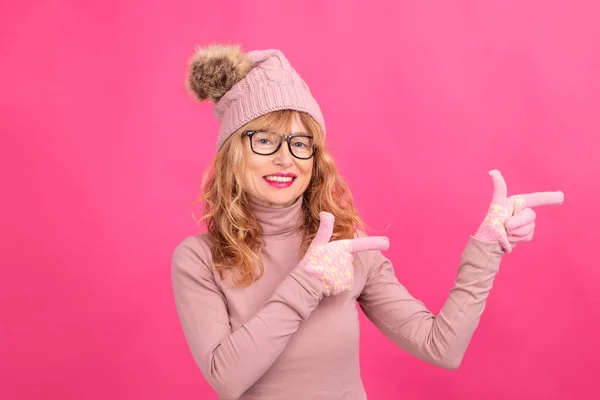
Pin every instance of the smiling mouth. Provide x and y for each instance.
(280, 182)
(279, 179)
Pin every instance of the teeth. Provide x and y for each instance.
(279, 179)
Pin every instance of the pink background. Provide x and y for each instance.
(102, 154)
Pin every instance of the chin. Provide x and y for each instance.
(281, 195)
(279, 199)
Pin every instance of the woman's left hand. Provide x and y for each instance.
(520, 227)
(511, 219)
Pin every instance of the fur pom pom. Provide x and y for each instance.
(214, 69)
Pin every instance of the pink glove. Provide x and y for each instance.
(332, 262)
(520, 228)
(509, 219)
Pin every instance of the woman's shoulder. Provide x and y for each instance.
(368, 259)
(192, 252)
(200, 240)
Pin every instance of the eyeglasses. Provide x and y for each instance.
(266, 143)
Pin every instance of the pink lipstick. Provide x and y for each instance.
(280, 180)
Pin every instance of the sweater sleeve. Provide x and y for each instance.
(232, 361)
(440, 339)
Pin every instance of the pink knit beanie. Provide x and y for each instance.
(244, 86)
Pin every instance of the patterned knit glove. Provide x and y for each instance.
(512, 213)
(332, 262)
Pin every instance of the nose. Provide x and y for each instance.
(283, 157)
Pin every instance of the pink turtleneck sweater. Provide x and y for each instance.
(280, 338)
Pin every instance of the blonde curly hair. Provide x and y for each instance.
(234, 232)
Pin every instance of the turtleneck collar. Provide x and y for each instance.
(284, 221)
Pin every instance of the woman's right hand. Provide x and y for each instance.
(332, 262)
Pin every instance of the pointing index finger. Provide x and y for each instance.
(369, 243)
(543, 199)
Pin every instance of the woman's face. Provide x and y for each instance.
(276, 180)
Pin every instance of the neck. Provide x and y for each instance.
(277, 221)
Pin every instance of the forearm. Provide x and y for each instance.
(233, 361)
(447, 336)
(443, 339)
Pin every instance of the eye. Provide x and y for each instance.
(302, 142)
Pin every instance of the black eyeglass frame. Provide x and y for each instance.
(283, 138)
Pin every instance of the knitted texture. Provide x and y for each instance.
(332, 262)
(509, 218)
(272, 84)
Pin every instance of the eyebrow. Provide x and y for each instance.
(292, 133)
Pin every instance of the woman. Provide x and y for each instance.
(266, 297)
